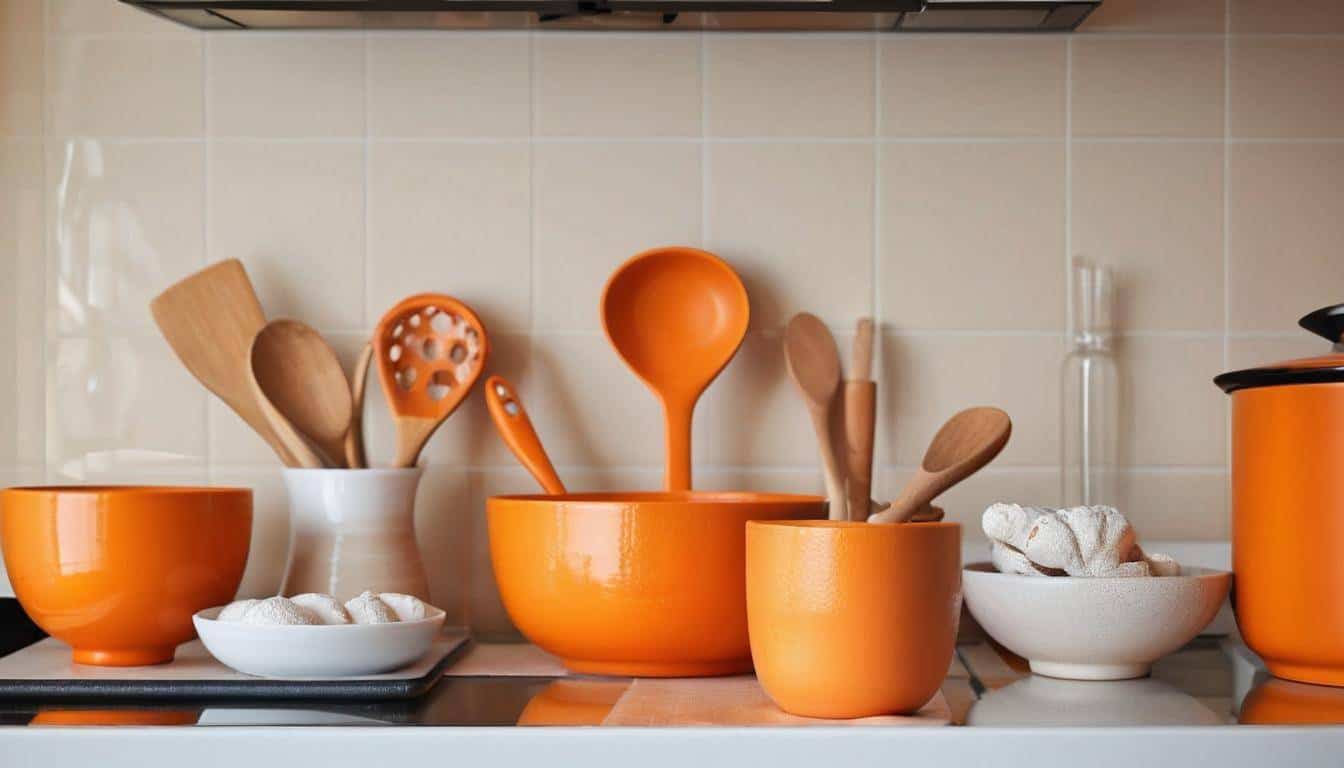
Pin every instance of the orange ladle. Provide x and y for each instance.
(676, 316)
(513, 425)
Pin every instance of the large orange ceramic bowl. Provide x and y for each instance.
(852, 619)
(635, 584)
(117, 572)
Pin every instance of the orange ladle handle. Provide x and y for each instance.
(677, 415)
(511, 420)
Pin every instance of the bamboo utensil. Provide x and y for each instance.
(355, 456)
(513, 425)
(676, 316)
(300, 376)
(860, 407)
(430, 350)
(814, 366)
(967, 442)
(209, 319)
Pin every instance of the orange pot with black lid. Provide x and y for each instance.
(1288, 507)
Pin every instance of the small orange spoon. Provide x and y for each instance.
(676, 316)
(430, 349)
(516, 429)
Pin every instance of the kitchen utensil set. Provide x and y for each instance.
(285, 381)
(966, 443)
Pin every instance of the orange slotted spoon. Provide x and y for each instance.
(429, 350)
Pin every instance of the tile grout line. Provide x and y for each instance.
(1068, 188)
(206, 165)
(45, 247)
(704, 141)
(545, 140)
(875, 271)
(1227, 226)
(367, 303)
(532, 282)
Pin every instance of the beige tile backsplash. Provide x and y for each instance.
(940, 183)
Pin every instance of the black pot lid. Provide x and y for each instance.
(1327, 322)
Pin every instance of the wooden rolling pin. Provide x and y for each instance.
(860, 409)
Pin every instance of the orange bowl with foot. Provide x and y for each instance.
(117, 571)
(852, 619)
(633, 584)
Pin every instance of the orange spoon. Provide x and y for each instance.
(676, 316)
(516, 429)
(430, 350)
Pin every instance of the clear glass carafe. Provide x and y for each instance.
(1090, 391)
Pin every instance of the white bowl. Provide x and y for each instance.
(339, 650)
(1093, 629)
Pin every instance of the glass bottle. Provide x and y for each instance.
(1090, 391)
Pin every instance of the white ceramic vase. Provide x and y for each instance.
(352, 530)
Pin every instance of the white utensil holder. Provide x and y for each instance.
(352, 530)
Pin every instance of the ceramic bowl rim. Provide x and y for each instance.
(438, 615)
(857, 524)
(124, 490)
(660, 498)
(364, 471)
(983, 569)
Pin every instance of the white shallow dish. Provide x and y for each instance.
(1093, 629)
(339, 650)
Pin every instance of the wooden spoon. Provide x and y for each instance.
(860, 400)
(814, 365)
(676, 316)
(968, 441)
(430, 349)
(300, 375)
(355, 456)
(516, 429)
(209, 319)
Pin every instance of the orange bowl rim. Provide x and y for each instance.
(126, 490)
(661, 498)
(843, 524)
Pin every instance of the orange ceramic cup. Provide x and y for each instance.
(117, 572)
(633, 584)
(852, 619)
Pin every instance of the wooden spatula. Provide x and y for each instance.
(209, 320)
(429, 350)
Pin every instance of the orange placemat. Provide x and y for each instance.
(734, 701)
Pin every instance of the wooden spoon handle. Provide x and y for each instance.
(860, 411)
(355, 456)
(916, 494)
(834, 476)
(514, 426)
(294, 444)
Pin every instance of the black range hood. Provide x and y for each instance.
(734, 15)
